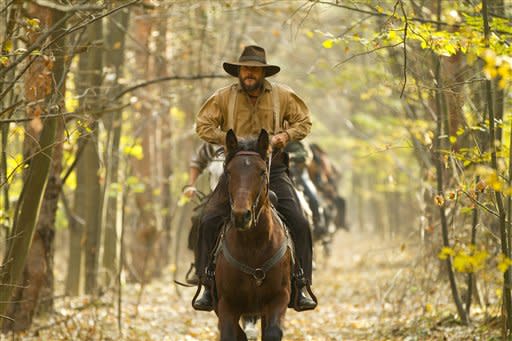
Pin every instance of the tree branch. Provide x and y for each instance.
(39, 43)
(7, 6)
(164, 79)
(68, 8)
(366, 52)
(405, 47)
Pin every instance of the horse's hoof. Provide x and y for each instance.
(251, 331)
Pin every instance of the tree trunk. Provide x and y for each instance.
(505, 248)
(38, 272)
(164, 144)
(85, 232)
(142, 246)
(113, 123)
(89, 166)
(25, 222)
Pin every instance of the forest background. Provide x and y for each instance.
(410, 100)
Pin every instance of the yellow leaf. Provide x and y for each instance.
(439, 200)
(309, 34)
(490, 71)
(503, 266)
(445, 253)
(503, 263)
(481, 186)
(428, 308)
(327, 44)
(183, 200)
(471, 58)
(8, 46)
(4, 60)
(136, 151)
(33, 24)
(490, 57)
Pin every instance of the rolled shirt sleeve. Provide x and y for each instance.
(202, 157)
(298, 117)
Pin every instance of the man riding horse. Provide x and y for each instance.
(211, 157)
(248, 106)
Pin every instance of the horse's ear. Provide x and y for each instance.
(231, 141)
(263, 143)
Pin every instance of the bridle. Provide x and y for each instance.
(266, 178)
(258, 273)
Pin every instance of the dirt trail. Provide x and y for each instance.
(369, 289)
(350, 286)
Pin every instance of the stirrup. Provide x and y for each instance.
(192, 277)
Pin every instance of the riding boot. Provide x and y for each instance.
(205, 302)
(304, 302)
(298, 299)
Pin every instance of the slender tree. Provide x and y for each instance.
(114, 60)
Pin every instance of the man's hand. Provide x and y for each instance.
(189, 191)
(280, 140)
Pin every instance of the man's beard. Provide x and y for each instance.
(250, 88)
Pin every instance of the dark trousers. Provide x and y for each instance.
(216, 212)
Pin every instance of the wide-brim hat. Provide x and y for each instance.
(252, 55)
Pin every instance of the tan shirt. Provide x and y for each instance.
(249, 119)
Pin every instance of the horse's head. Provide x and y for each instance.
(248, 178)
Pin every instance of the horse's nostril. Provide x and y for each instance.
(247, 215)
(241, 218)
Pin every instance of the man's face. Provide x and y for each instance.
(251, 77)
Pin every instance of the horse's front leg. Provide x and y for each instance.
(229, 327)
(272, 319)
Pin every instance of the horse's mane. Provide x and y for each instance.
(317, 153)
(321, 158)
(317, 148)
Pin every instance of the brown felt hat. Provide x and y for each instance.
(252, 55)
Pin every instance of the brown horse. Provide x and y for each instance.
(253, 263)
(325, 176)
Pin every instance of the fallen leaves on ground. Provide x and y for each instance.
(368, 289)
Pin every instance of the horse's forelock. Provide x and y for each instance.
(244, 144)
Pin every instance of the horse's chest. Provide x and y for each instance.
(248, 294)
(243, 290)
